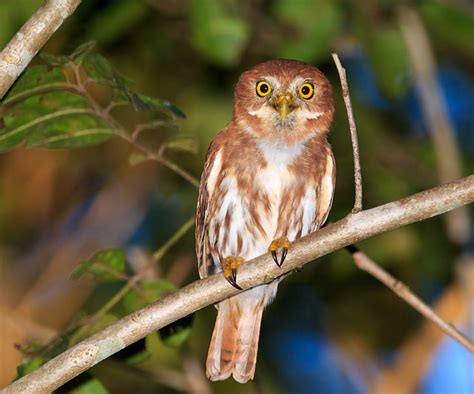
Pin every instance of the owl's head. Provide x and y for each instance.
(284, 100)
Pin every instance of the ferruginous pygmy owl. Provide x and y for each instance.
(268, 180)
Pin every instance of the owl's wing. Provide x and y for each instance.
(326, 191)
(206, 190)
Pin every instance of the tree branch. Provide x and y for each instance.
(361, 260)
(352, 126)
(415, 355)
(366, 264)
(30, 39)
(215, 288)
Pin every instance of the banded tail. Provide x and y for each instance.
(234, 343)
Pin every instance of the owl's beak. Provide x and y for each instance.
(284, 103)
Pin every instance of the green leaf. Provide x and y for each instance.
(176, 334)
(178, 338)
(56, 120)
(45, 109)
(148, 292)
(311, 26)
(54, 60)
(104, 266)
(31, 348)
(142, 102)
(34, 80)
(81, 51)
(29, 365)
(138, 358)
(159, 124)
(182, 143)
(76, 56)
(100, 69)
(91, 386)
(217, 33)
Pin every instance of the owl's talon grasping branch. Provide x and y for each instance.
(279, 243)
(229, 268)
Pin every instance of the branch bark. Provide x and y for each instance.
(215, 288)
(30, 39)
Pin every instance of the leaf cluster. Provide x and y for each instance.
(51, 106)
(107, 267)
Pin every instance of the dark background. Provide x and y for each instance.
(332, 328)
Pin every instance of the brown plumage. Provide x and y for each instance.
(268, 180)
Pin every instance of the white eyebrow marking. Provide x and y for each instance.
(297, 82)
(274, 82)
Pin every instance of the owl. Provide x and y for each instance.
(268, 180)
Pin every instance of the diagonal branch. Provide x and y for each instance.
(415, 355)
(366, 264)
(215, 288)
(361, 260)
(30, 39)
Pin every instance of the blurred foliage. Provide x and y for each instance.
(104, 266)
(29, 365)
(53, 109)
(149, 291)
(218, 34)
(191, 52)
(308, 40)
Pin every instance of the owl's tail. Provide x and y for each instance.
(234, 343)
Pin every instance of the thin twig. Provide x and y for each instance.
(361, 260)
(122, 133)
(158, 255)
(132, 281)
(84, 330)
(146, 126)
(352, 126)
(150, 155)
(366, 264)
(415, 355)
(258, 271)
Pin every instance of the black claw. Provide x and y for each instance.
(275, 257)
(234, 275)
(284, 252)
(232, 281)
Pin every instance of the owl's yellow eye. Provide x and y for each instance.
(306, 90)
(263, 88)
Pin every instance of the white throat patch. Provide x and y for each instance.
(278, 153)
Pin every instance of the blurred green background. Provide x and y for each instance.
(331, 328)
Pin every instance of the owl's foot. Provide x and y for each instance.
(229, 268)
(279, 243)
